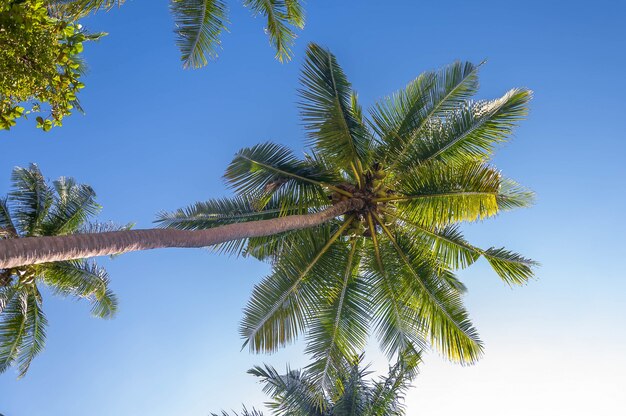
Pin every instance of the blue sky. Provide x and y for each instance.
(156, 137)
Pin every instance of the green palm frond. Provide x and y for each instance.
(12, 329)
(470, 132)
(388, 393)
(34, 337)
(30, 199)
(268, 169)
(438, 307)
(281, 305)
(292, 393)
(325, 105)
(73, 206)
(199, 24)
(84, 279)
(513, 268)
(7, 228)
(513, 195)
(439, 194)
(280, 14)
(401, 118)
(244, 412)
(339, 330)
(396, 322)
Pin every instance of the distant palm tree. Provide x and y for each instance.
(351, 394)
(33, 208)
(200, 23)
(363, 232)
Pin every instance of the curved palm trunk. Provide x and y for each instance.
(17, 252)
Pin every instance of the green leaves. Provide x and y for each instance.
(34, 208)
(326, 110)
(199, 24)
(280, 15)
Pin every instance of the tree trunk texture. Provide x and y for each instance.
(15, 252)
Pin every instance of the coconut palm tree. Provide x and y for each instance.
(351, 394)
(33, 208)
(363, 232)
(200, 23)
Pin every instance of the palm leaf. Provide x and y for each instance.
(83, 279)
(199, 24)
(439, 307)
(7, 228)
(470, 132)
(34, 337)
(281, 305)
(73, 206)
(30, 199)
(328, 117)
(12, 329)
(402, 118)
(339, 331)
(280, 15)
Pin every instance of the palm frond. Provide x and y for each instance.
(7, 228)
(396, 322)
(12, 329)
(281, 304)
(513, 195)
(513, 268)
(269, 169)
(401, 118)
(387, 394)
(199, 24)
(244, 412)
(34, 337)
(280, 15)
(84, 279)
(30, 199)
(74, 204)
(325, 106)
(471, 132)
(292, 394)
(439, 194)
(439, 307)
(339, 331)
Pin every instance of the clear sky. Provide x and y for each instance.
(156, 137)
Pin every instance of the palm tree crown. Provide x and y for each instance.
(33, 208)
(418, 167)
(351, 394)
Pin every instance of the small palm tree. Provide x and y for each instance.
(200, 23)
(351, 394)
(33, 208)
(363, 232)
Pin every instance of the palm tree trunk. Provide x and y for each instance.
(17, 252)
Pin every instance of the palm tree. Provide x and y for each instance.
(363, 232)
(33, 208)
(294, 394)
(200, 23)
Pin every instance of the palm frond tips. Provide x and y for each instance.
(325, 107)
(400, 119)
(471, 131)
(439, 194)
(199, 24)
(281, 306)
(30, 199)
(268, 170)
(280, 15)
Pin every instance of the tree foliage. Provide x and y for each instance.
(421, 166)
(199, 24)
(35, 208)
(352, 393)
(40, 64)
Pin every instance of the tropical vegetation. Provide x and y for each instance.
(199, 24)
(40, 64)
(352, 393)
(363, 231)
(35, 208)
